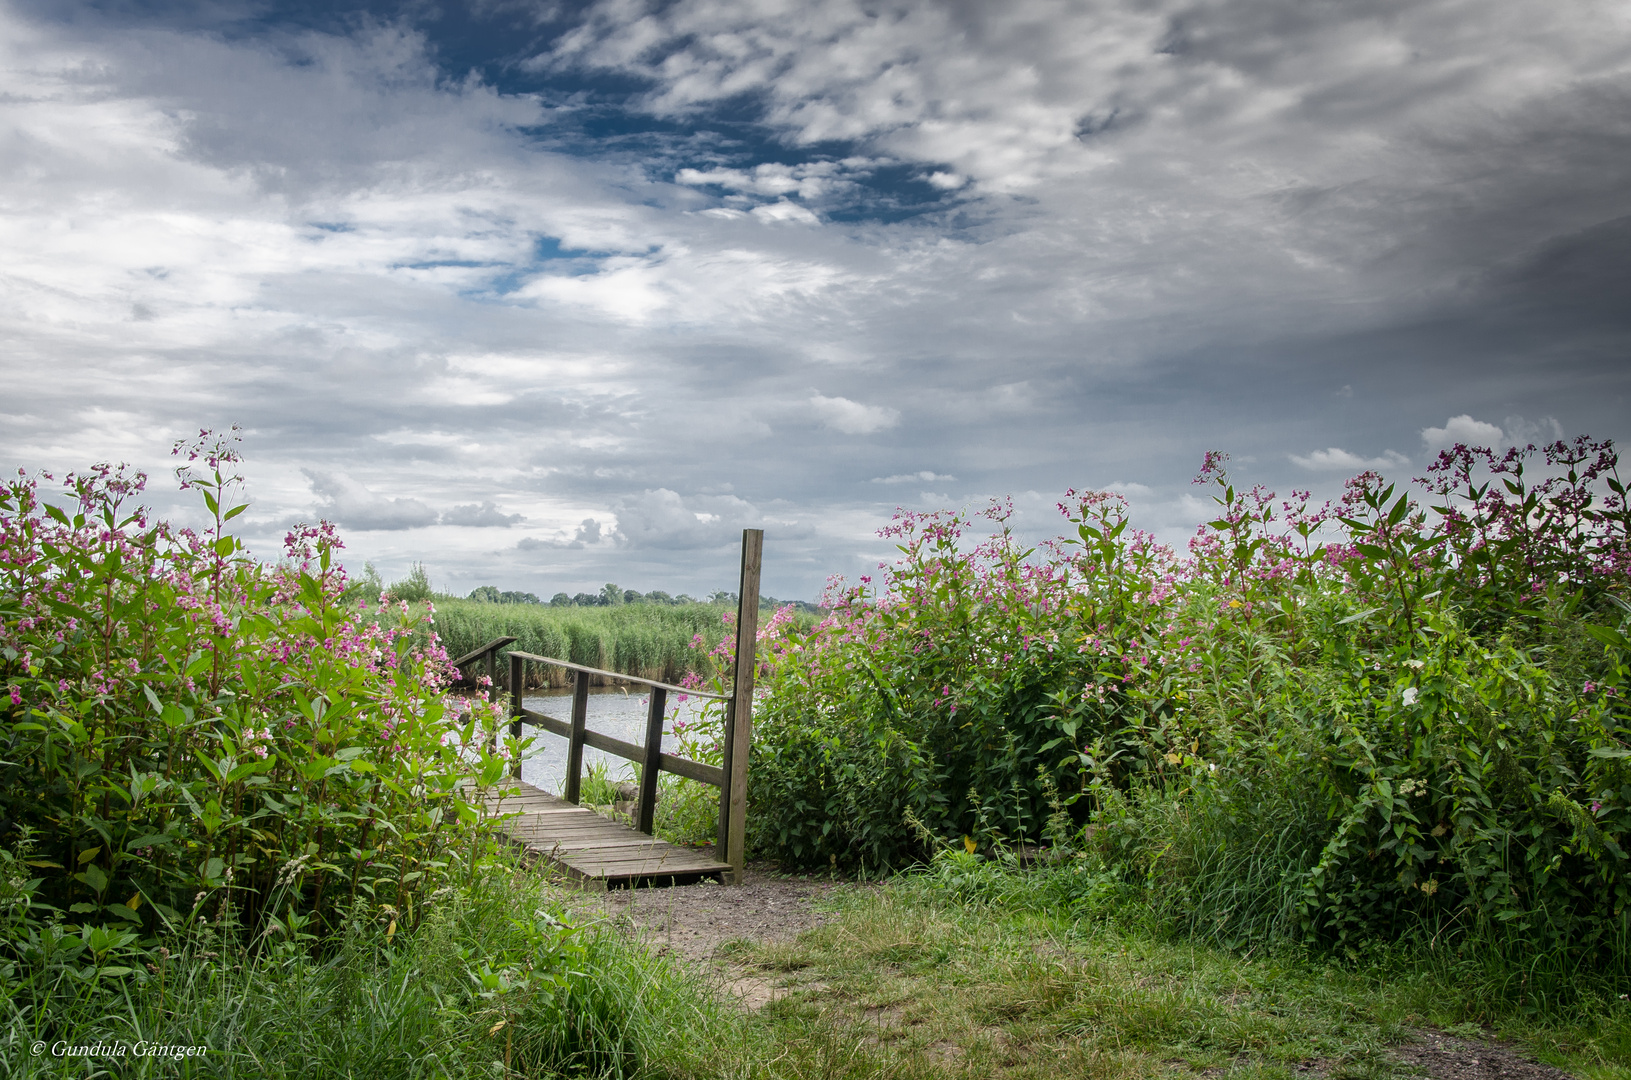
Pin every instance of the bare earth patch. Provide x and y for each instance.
(1446, 1057)
(693, 921)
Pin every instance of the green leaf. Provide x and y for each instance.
(1609, 752)
(150, 840)
(235, 511)
(1608, 636)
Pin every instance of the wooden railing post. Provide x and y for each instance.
(739, 729)
(517, 671)
(725, 790)
(574, 743)
(653, 763)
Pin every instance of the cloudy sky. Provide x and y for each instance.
(550, 294)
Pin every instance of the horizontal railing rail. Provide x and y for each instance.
(619, 676)
(486, 650)
(670, 763)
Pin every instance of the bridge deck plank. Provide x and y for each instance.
(593, 849)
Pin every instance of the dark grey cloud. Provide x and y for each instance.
(1308, 234)
(346, 502)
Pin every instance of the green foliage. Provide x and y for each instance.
(596, 787)
(1325, 724)
(413, 589)
(490, 594)
(363, 589)
(496, 980)
(190, 733)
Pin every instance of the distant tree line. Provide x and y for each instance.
(610, 595)
(416, 588)
(613, 595)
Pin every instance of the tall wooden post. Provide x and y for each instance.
(517, 671)
(739, 719)
(574, 745)
(649, 769)
(724, 832)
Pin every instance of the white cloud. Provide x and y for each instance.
(851, 417)
(809, 180)
(927, 476)
(785, 211)
(1513, 431)
(1335, 459)
(1462, 429)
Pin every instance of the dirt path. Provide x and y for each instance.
(1445, 1057)
(691, 922)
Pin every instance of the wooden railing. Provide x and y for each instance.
(490, 651)
(731, 779)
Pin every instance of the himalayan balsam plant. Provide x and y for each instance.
(191, 732)
(1394, 713)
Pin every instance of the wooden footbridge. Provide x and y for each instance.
(597, 851)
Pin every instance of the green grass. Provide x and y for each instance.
(490, 984)
(911, 980)
(967, 970)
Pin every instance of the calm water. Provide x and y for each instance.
(613, 712)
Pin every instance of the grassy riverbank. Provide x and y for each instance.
(653, 641)
(649, 640)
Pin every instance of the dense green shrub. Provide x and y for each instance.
(1323, 722)
(188, 732)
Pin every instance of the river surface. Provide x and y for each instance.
(612, 711)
